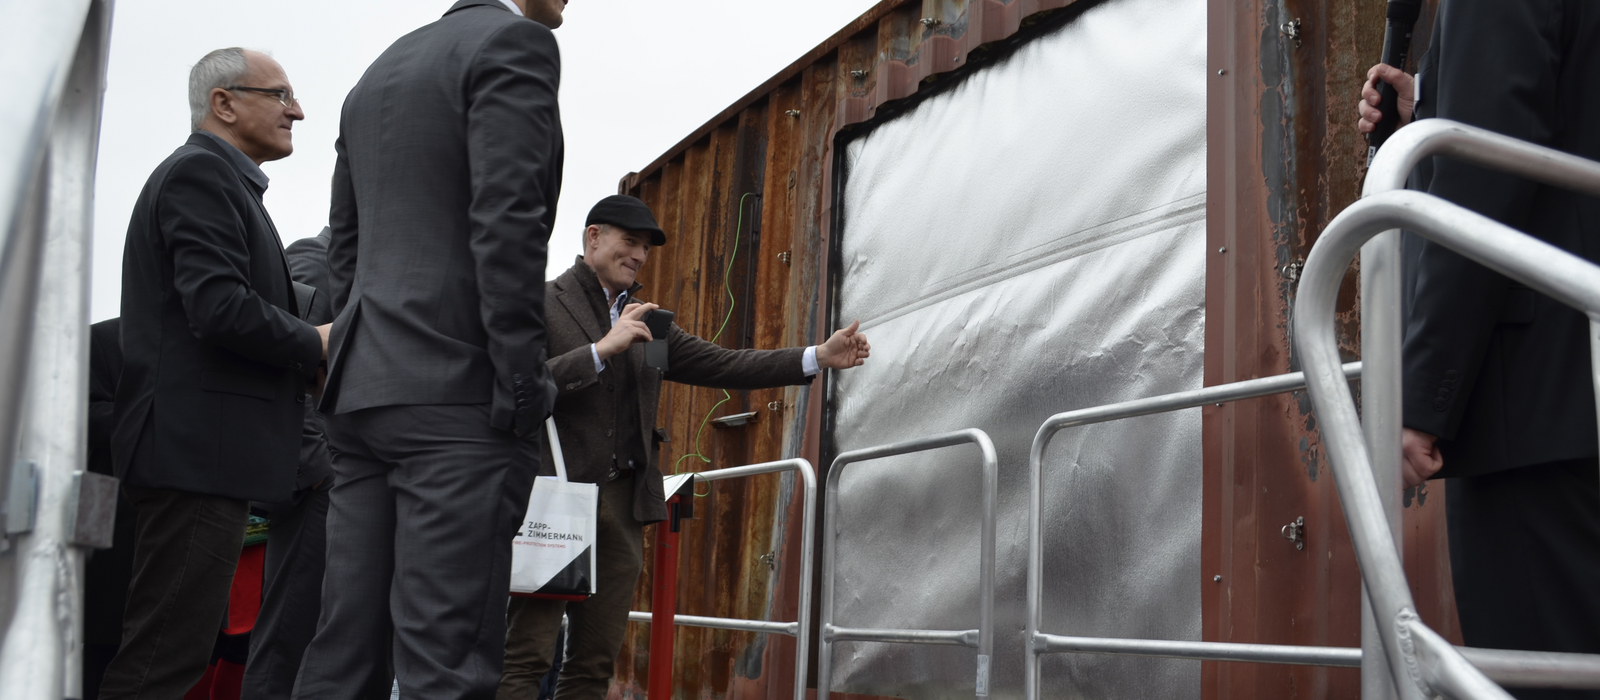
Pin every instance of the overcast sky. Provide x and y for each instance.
(637, 76)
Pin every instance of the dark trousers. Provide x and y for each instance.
(186, 548)
(595, 627)
(1525, 558)
(424, 505)
(291, 595)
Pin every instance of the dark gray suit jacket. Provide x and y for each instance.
(588, 401)
(444, 192)
(215, 362)
(308, 265)
(1499, 372)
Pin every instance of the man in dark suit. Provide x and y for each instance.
(605, 413)
(445, 186)
(1497, 390)
(108, 571)
(291, 585)
(216, 363)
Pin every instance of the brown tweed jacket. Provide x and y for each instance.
(575, 317)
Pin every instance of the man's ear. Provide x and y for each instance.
(222, 106)
(591, 234)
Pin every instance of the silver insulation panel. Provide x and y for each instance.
(1028, 242)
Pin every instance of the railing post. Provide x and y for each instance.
(41, 656)
(664, 602)
(1381, 335)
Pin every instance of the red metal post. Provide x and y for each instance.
(664, 603)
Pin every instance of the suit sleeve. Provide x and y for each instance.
(1497, 69)
(513, 125)
(692, 360)
(573, 370)
(211, 260)
(342, 220)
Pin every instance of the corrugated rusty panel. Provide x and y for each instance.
(1284, 159)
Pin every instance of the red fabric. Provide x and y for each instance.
(228, 682)
(202, 690)
(244, 599)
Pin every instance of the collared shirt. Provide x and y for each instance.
(808, 359)
(240, 160)
(513, 7)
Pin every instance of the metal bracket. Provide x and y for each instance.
(1291, 29)
(930, 22)
(1296, 532)
(1291, 271)
(792, 112)
(785, 257)
(774, 405)
(859, 73)
(737, 420)
(771, 560)
(94, 504)
(23, 499)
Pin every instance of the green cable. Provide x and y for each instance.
(727, 286)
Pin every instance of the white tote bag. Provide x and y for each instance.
(553, 554)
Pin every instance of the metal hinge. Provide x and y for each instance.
(23, 498)
(94, 503)
(1296, 532)
(1291, 29)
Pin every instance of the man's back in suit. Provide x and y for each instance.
(445, 187)
(445, 191)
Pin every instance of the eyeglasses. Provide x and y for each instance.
(284, 97)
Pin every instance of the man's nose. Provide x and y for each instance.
(295, 113)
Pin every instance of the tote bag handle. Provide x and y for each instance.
(555, 448)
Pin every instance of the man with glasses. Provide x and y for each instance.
(445, 185)
(216, 365)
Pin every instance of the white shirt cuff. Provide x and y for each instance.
(601, 366)
(808, 361)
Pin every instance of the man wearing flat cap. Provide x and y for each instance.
(605, 412)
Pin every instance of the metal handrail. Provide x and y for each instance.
(53, 64)
(1381, 330)
(1417, 655)
(1039, 643)
(981, 638)
(797, 629)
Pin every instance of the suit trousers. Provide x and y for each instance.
(425, 502)
(291, 594)
(1525, 559)
(185, 551)
(595, 627)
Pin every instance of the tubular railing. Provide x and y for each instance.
(1039, 643)
(798, 629)
(1421, 663)
(1380, 308)
(52, 64)
(981, 638)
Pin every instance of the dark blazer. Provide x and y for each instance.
(107, 572)
(445, 185)
(1501, 373)
(587, 401)
(215, 361)
(308, 265)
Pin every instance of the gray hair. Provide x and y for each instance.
(219, 69)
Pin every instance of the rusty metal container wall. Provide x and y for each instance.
(1278, 110)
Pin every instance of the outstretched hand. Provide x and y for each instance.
(844, 349)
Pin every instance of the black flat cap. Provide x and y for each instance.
(626, 212)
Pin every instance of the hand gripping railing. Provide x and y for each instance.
(1421, 662)
(1039, 643)
(52, 64)
(798, 628)
(981, 638)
